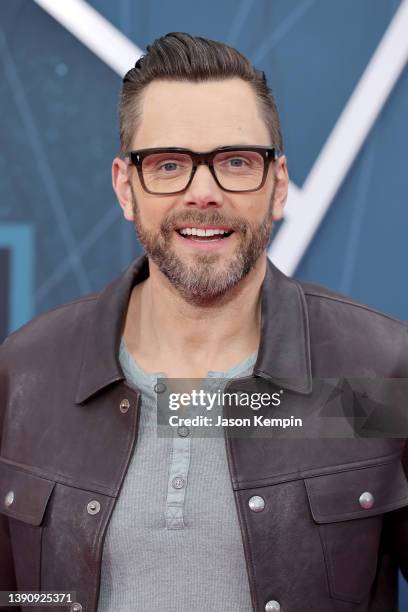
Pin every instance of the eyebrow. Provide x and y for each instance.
(234, 144)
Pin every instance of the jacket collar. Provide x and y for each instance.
(284, 351)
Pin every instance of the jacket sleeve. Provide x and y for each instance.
(7, 573)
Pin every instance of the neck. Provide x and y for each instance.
(161, 325)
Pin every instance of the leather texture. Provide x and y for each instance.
(65, 444)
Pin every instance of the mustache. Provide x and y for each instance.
(237, 224)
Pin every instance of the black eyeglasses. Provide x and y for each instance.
(170, 170)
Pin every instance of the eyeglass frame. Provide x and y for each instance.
(136, 158)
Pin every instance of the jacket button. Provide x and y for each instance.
(93, 508)
(8, 500)
(124, 405)
(76, 607)
(257, 504)
(272, 606)
(366, 500)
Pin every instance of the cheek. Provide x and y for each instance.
(152, 212)
(257, 208)
(145, 207)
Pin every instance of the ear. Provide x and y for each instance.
(121, 186)
(281, 188)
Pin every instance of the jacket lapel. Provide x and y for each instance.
(284, 351)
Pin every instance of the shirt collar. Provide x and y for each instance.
(284, 350)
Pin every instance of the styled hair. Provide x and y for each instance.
(178, 56)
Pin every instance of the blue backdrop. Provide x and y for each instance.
(61, 231)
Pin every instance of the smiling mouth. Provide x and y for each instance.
(198, 234)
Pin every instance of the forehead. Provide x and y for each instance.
(199, 116)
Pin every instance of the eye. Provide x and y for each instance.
(169, 166)
(236, 162)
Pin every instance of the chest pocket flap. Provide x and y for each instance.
(357, 493)
(348, 508)
(23, 496)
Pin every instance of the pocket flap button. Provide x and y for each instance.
(8, 500)
(366, 500)
(93, 507)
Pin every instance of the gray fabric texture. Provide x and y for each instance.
(167, 548)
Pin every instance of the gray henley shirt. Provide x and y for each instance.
(174, 542)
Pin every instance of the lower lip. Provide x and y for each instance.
(210, 245)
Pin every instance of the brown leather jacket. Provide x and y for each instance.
(67, 439)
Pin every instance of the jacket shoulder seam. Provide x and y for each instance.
(71, 303)
(46, 313)
(341, 300)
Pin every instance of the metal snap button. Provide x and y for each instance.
(178, 482)
(8, 500)
(159, 387)
(93, 507)
(124, 405)
(272, 606)
(366, 500)
(257, 504)
(76, 607)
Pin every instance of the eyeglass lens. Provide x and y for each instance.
(170, 172)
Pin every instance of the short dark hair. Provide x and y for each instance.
(178, 56)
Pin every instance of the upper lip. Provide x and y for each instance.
(204, 227)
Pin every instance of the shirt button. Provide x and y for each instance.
(76, 607)
(366, 500)
(160, 387)
(8, 500)
(93, 507)
(178, 482)
(272, 606)
(183, 431)
(257, 504)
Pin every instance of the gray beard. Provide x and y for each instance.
(200, 281)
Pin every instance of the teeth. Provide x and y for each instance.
(194, 231)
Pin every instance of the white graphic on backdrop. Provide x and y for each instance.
(307, 206)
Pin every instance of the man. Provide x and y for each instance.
(92, 500)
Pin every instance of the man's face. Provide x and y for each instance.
(202, 117)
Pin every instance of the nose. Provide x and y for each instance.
(203, 190)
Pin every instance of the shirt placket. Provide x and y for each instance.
(177, 482)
